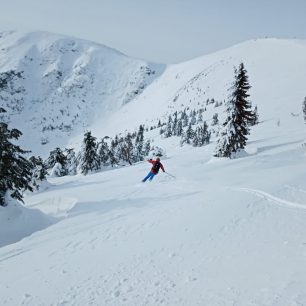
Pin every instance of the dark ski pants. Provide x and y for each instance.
(150, 176)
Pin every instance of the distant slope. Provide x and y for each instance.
(276, 70)
(54, 86)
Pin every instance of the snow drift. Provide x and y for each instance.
(18, 222)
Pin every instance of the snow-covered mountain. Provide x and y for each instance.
(57, 87)
(54, 87)
(276, 70)
(212, 231)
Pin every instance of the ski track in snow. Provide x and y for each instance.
(271, 198)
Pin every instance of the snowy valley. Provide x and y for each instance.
(209, 231)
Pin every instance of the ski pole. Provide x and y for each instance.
(170, 174)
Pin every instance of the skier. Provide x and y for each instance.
(154, 170)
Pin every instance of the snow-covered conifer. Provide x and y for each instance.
(174, 125)
(119, 154)
(168, 132)
(185, 119)
(139, 144)
(126, 149)
(179, 129)
(233, 135)
(71, 161)
(112, 152)
(193, 119)
(188, 135)
(88, 157)
(201, 136)
(215, 119)
(15, 169)
(147, 148)
(196, 140)
(57, 156)
(200, 117)
(103, 152)
(205, 135)
(39, 171)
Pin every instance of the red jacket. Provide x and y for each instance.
(153, 162)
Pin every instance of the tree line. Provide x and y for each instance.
(96, 155)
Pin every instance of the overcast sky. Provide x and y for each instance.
(165, 31)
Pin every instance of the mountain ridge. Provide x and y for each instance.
(54, 86)
(80, 85)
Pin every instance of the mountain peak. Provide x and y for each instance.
(57, 85)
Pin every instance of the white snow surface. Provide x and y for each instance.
(64, 84)
(18, 221)
(276, 70)
(222, 232)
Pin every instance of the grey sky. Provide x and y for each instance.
(160, 30)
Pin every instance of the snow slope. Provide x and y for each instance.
(276, 70)
(54, 86)
(223, 232)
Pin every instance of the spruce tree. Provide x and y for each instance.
(147, 148)
(103, 152)
(233, 135)
(15, 169)
(119, 153)
(200, 117)
(39, 171)
(88, 158)
(168, 132)
(179, 130)
(112, 152)
(71, 161)
(240, 95)
(128, 149)
(185, 118)
(174, 125)
(193, 119)
(57, 156)
(188, 135)
(196, 137)
(215, 119)
(201, 136)
(204, 136)
(139, 144)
